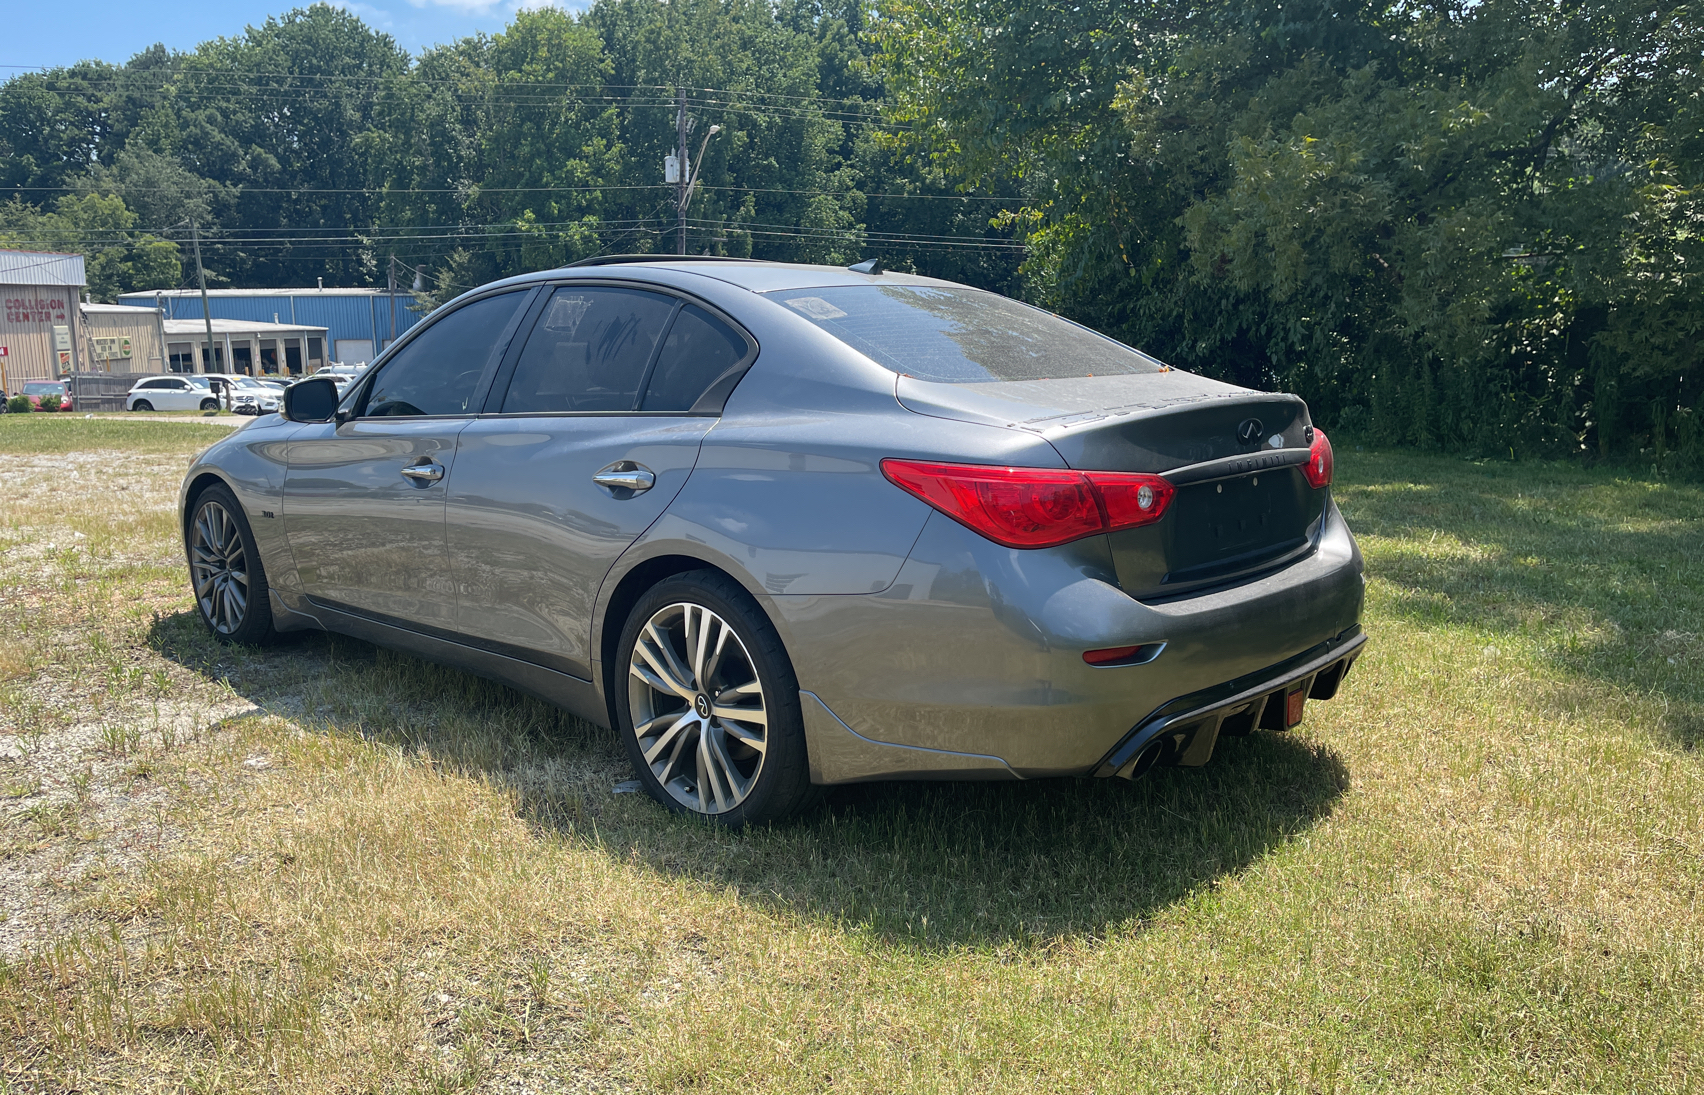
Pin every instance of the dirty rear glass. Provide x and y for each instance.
(961, 336)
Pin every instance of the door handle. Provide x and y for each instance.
(625, 475)
(424, 473)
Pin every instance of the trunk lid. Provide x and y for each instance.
(1243, 506)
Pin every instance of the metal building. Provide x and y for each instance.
(41, 332)
(244, 346)
(358, 322)
(119, 339)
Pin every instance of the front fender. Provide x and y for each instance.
(251, 463)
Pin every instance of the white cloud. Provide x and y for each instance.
(368, 13)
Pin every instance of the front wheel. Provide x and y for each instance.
(141, 405)
(225, 571)
(708, 706)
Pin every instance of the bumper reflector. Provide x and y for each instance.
(1293, 702)
(1123, 655)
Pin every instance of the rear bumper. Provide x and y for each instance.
(1184, 731)
(976, 651)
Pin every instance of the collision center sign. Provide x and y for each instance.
(35, 309)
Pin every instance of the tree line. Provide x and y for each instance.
(1468, 225)
(314, 147)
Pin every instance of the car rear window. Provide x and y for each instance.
(961, 336)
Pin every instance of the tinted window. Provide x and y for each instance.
(437, 372)
(589, 351)
(961, 336)
(699, 349)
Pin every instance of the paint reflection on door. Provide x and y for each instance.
(364, 536)
(531, 536)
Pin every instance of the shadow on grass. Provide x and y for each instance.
(918, 864)
(1600, 574)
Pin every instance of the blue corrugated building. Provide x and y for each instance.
(359, 322)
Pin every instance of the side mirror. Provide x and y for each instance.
(311, 400)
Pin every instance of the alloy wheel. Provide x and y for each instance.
(219, 569)
(698, 708)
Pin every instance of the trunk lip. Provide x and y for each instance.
(1066, 408)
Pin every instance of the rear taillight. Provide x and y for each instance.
(1318, 469)
(1034, 507)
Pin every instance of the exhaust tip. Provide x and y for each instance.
(1145, 760)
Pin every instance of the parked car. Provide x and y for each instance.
(179, 392)
(785, 526)
(37, 390)
(252, 396)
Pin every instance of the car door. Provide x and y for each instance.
(162, 395)
(589, 435)
(364, 495)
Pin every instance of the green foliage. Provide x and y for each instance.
(48, 402)
(100, 227)
(19, 404)
(313, 147)
(1470, 226)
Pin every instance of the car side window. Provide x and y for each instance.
(700, 349)
(589, 351)
(439, 370)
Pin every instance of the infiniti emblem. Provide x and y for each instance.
(701, 704)
(1248, 432)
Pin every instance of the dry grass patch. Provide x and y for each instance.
(329, 867)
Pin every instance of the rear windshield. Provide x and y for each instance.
(961, 336)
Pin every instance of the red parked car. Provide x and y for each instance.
(37, 390)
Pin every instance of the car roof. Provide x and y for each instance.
(755, 275)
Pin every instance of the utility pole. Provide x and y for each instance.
(682, 193)
(393, 298)
(206, 310)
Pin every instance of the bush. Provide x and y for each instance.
(48, 402)
(18, 404)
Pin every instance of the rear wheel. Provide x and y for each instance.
(209, 404)
(141, 405)
(225, 572)
(708, 706)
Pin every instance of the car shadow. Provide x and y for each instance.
(918, 864)
(1597, 576)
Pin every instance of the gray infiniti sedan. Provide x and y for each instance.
(790, 526)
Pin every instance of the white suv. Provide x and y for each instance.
(251, 396)
(171, 393)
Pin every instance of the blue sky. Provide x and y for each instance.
(50, 34)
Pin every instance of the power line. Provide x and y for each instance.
(669, 89)
(478, 190)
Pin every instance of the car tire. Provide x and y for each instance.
(225, 571)
(689, 754)
(209, 404)
(141, 405)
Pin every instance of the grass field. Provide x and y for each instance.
(327, 867)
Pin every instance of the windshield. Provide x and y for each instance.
(44, 388)
(961, 336)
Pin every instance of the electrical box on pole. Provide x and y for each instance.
(671, 169)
